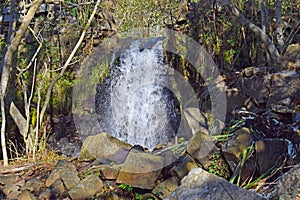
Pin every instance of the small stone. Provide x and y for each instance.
(48, 194)
(33, 185)
(69, 178)
(58, 187)
(163, 189)
(109, 172)
(26, 195)
(13, 195)
(60, 168)
(183, 165)
(201, 148)
(9, 179)
(87, 188)
(7, 189)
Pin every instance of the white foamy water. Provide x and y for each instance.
(140, 108)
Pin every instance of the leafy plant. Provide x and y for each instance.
(218, 167)
(127, 187)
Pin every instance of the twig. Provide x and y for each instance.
(48, 95)
(18, 169)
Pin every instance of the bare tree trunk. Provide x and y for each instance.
(263, 24)
(279, 31)
(270, 47)
(7, 66)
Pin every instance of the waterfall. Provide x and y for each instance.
(134, 103)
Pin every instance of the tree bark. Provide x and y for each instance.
(7, 67)
(270, 47)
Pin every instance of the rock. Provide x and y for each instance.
(199, 184)
(233, 148)
(105, 147)
(163, 189)
(26, 195)
(60, 168)
(196, 120)
(109, 172)
(13, 195)
(255, 83)
(140, 170)
(183, 166)
(288, 186)
(7, 189)
(9, 179)
(48, 194)
(171, 153)
(58, 187)
(33, 185)
(271, 153)
(70, 179)
(201, 148)
(87, 188)
(285, 85)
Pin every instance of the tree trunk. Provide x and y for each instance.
(7, 64)
(270, 46)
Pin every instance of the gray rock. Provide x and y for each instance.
(105, 148)
(163, 189)
(26, 195)
(87, 188)
(271, 153)
(201, 148)
(7, 189)
(199, 184)
(13, 195)
(183, 166)
(58, 187)
(9, 179)
(70, 179)
(33, 185)
(196, 120)
(288, 186)
(284, 85)
(233, 148)
(141, 170)
(61, 168)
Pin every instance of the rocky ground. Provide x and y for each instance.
(258, 151)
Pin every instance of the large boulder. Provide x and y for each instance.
(141, 170)
(199, 184)
(104, 148)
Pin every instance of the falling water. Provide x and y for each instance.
(134, 104)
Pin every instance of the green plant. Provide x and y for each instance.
(218, 166)
(138, 196)
(127, 187)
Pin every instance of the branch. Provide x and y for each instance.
(15, 43)
(290, 37)
(279, 33)
(48, 95)
(271, 49)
